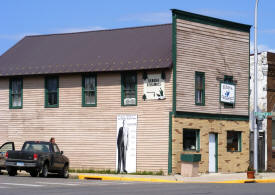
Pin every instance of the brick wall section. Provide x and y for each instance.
(228, 162)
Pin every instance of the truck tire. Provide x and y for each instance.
(12, 172)
(34, 173)
(45, 170)
(65, 171)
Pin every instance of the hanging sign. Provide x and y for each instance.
(227, 93)
(154, 87)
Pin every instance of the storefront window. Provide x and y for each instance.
(233, 141)
(273, 138)
(191, 140)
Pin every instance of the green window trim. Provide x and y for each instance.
(83, 90)
(198, 75)
(47, 92)
(11, 93)
(228, 79)
(123, 76)
(197, 132)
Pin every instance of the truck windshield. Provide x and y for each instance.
(36, 147)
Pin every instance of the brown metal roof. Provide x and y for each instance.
(138, 48)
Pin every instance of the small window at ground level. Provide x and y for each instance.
(233, 141)
(16, 92)
(191, 139)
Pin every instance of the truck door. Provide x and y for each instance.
(58, 161)
(3, 149)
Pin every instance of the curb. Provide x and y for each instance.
(99, 177)
(111, 178)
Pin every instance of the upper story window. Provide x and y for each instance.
(228, 79)
(129, 89)
(16, 93)
(51, 92)
(89, 90)
(199, 88)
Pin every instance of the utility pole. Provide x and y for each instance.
(255, 128)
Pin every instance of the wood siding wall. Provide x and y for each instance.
(87, 135)
(217, 52)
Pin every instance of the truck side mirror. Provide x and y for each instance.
(62, 152)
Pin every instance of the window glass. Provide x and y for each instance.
(6, 147)
(233, 141)
(36, 147)
(129, 82)
(190, 139)
(52, 91)
(16, 90)
(199, 88)
(55, 148)
(273, 139)
(89, 90)
(228, 79)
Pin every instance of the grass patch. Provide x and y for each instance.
(108, 171)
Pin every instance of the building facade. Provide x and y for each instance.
(174, 89)
(211, 62)
(266, 102)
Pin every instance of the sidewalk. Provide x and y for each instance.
(204, 178)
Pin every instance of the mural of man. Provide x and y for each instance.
(122, 146)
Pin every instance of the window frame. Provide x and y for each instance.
(200, 74)
(239, 135)
(225, 80)
(123, 75)
(46, 92)
(197, 132)
(83, 90)
(10, 93)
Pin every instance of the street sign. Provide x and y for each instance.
(263, 115)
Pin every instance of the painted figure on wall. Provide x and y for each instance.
(122, 147)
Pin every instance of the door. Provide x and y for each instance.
(58, 160)
(213, 152)
(3, 149)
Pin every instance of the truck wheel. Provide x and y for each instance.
(45, 170)
(34, 173)
(65, 172)
(12, 172)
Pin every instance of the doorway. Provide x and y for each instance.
(213, 152)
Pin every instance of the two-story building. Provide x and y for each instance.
(177, 89)
(210, 93)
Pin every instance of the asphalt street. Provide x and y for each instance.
(24, 185)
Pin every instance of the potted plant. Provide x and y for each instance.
(250, 172)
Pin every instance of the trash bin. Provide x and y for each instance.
(190, 164)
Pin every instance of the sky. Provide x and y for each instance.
(19, 18)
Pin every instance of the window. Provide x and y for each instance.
(191, 139)
(129, 89)
(228, 79)
(89, 90)
(16, 92)
(233, 141)
(56, 149)
(199, 88)
(51, 92)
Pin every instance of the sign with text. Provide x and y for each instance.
(227, 93)
(154, 87)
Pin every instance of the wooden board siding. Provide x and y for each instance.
(87, 135)
(217, 52)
